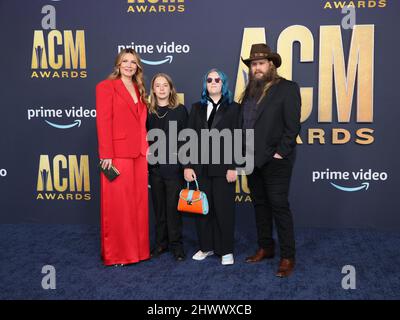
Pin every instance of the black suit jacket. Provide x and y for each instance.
(180, 115)
(226, 117)
(277, 122)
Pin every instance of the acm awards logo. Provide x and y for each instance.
(340, 121)
(57, 53)
(156, 6)
(63, 178)
(358, 4)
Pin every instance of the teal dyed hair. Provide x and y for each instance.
(226, 93)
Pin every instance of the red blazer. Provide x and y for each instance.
(121, 124)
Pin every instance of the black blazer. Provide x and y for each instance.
(277, 122)
(180, 115)
(226, 117)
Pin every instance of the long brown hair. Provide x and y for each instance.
(137, 78)
(273, 78)
(173, 96)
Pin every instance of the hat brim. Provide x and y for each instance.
(274, 57)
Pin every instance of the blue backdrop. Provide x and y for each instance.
(54, 52)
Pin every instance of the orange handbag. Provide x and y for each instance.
(193, 201)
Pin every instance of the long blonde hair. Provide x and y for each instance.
(137, 78)
(173, 96)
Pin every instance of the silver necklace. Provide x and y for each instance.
(163, 116)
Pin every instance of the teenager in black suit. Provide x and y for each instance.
(165, 176)
(271, 106)
(216, 110)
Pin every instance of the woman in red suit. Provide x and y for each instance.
(121, 131)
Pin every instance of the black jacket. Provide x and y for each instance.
(226, 117)
(277, 122)
(180, 115)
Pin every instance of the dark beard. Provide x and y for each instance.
(255, 87)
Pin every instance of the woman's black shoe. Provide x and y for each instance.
(158, 251)
(179, 256)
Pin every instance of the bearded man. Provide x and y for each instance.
(271, 106)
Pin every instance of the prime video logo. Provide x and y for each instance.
(53, 116)
(165, 49)
(361, 178)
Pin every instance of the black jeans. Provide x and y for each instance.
(269, 188)
(168, 221)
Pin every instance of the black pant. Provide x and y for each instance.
(168, 221)
(269, 187)
(215, 230)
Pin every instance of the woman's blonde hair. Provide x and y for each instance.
(137, 78)
(173, 96)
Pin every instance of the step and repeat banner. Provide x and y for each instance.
(345, 59)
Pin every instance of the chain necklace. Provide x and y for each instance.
(163, 116)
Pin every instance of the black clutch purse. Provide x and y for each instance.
(111, 173)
